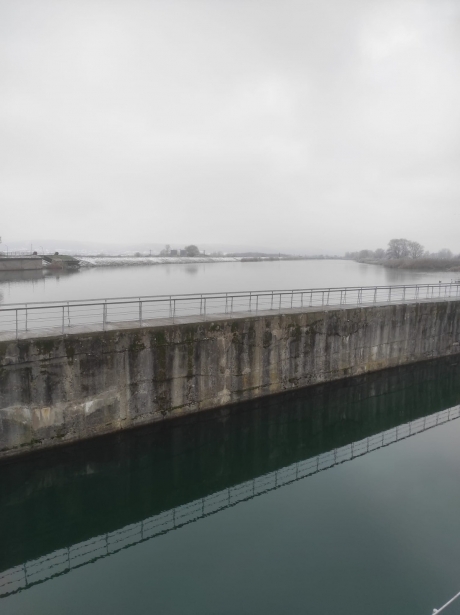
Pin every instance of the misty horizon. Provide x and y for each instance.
(76, 247)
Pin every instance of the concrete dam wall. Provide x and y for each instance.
(68, 388)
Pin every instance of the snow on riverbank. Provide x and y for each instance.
(123, 261)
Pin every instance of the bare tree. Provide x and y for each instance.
(192, 250)
(379, 254)
(416, 250)
(398, 248)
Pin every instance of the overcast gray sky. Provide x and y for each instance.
(325, 125)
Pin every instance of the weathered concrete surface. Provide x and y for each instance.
(63, 389)
(20, 263)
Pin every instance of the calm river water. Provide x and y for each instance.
(104, 282)
(268, 508)
(273, 507)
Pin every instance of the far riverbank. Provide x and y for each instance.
(124, 261)
(417, 264)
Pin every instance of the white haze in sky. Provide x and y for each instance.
(315, 126)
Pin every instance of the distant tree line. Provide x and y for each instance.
(400, 249)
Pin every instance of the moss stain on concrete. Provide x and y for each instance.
(77, 386)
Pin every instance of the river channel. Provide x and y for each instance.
(131, 281)
(339, 499)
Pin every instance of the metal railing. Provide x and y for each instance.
(15, 254)
(64, 560)
(61, 317)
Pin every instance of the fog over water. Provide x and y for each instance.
(314, 126)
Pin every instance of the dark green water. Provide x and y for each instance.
(268, 508)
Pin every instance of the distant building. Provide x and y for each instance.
(61, 261)
(173, 253)
(183, 253)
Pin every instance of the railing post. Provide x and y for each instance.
(292, 298)
(174, 310)
(280, 303)
(257, 303)
(140, 313)
(250, 301)
(63, 316)
(17, 333)
(26, 316)
(271, 304)
(104, 316)
(204, 308)
(375, 295)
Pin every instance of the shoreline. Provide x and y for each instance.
(426, 265)
(129, 261)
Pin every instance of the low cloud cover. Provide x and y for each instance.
(316, 126)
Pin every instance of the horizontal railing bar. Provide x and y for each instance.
(75, 305)
(245, 293)
(21, 319)
(218, 295)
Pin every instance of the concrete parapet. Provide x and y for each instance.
(63, 389)
(20, 263)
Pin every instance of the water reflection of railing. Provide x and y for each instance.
(61, 317)
(70, 558)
